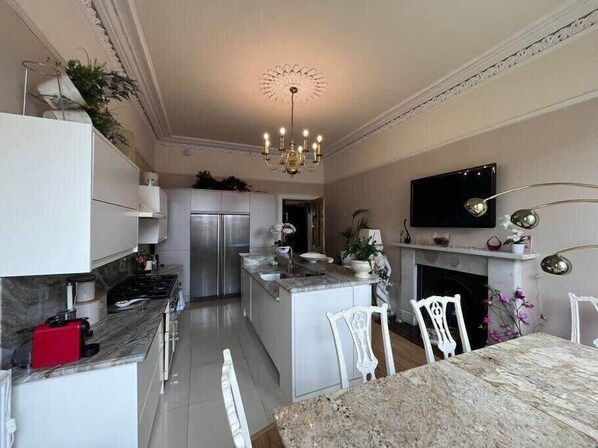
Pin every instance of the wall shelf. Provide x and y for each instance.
(468, 251)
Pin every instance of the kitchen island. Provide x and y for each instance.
(289, 317)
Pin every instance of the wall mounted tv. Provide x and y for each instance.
(437, 201)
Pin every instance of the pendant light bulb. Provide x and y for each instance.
(266, 136)
(282, 131)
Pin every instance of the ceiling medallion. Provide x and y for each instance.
(276, 82)
(294, 159)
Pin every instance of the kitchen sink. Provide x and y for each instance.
(270, 277)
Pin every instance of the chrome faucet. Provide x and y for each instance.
(288, 250)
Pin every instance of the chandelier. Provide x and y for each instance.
(306, 84)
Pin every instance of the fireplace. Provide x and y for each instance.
(434, 281)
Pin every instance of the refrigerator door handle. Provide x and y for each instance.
(218, 282)
(223, 240)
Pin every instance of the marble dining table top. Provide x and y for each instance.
(535, 391)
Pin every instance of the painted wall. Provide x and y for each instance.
(179, 170)
(561, 145)
(50, 20)
(566, 73)
(18, 43)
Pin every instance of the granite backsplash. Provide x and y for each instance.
(28, 301)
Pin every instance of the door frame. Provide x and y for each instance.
(299, 197)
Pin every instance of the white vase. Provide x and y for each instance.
(361, 268)
(517, 248)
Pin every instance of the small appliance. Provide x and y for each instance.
(60, 342)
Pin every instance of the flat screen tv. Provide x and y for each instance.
(437, 201)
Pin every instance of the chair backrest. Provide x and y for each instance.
(233, 404)
(436, 308)
(359, 321)
(575, 314)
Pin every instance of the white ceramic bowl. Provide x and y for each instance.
(313, 256)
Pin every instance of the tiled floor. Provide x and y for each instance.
(191, 411)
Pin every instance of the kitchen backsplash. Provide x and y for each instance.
(28, 301)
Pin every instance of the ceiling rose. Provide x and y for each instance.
(276, 82)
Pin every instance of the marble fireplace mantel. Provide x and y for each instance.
(503, 269)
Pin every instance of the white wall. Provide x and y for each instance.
(17, 43)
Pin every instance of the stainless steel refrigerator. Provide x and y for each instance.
(216, 241)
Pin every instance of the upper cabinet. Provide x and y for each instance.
(233, 202)
(263, 217)
(206, 201)
(68, 198)
(179, 224)
(153, 215)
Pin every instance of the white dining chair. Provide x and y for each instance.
(436, 308)
(575, 314)
(359, 321)
(233, 404)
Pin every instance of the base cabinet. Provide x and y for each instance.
(111, 407)
(296, 333)
(246, 293)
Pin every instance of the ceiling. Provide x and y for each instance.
(208, 56)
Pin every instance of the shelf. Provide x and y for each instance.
(469, 251)
(152, 215)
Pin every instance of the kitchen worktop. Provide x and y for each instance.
(335, 276)
(124, 338)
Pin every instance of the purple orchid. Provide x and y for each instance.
(528, 305)
(487, 320)
(519, 294)
(504, 299)
(523, 317)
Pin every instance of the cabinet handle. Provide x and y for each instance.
(278, 299)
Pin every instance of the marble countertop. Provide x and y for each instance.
(124, 338)
(335, 276)
(535, 391)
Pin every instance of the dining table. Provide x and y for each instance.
(535, 391)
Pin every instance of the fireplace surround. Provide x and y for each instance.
(473, 269)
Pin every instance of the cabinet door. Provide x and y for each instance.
(179, 211)
(115, 178)
(246, 293)
(206, 201)
(257, 308)
(235, 202)
(315, 363)
(113, 232)
(262, 218)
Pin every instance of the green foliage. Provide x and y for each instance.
(205, 181)
(362, 249)
(352, 231)
(97, 87)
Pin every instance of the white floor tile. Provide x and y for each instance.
(170, 428)
(208, 426)
(271, 398)
(205, 384)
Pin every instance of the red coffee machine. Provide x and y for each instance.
(60, 342)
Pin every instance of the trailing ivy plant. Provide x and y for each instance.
(98, 86)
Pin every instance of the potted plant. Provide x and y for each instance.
(516, 239)
(352, 232)
(362, 251)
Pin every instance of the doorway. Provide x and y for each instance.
(307, 215)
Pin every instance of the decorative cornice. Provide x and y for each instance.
(113, 61)
(202, 144)
(565, 23)
(117, 26)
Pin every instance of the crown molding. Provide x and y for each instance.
(564, 23)
(117, 26)
(203, 144)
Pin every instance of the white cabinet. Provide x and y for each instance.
(153, 215)
(262, 218)
(68, 199)
(179, 220)
(258, 304)
(246, 293)
(234, 202)
(206, 201)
